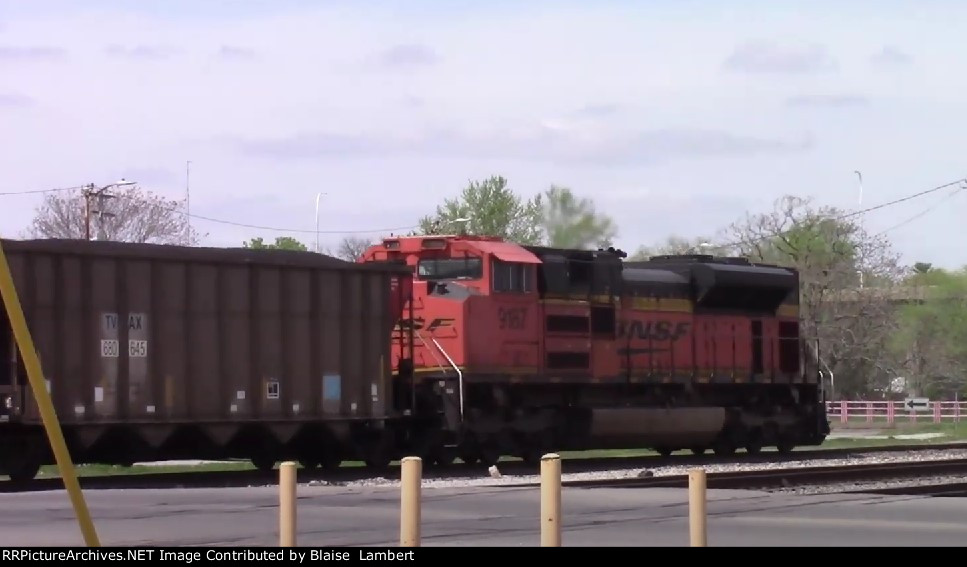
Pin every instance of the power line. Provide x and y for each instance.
(302, 231)
(962, 183)
(921, 213)
(38, 191)
(220, 221)
(275, 229)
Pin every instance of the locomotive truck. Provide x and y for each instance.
(523, 349)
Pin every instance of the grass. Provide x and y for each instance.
(953, 432)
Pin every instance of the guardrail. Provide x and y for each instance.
(897, 411)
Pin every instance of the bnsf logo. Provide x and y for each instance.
(653, 330)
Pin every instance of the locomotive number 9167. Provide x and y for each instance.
(512, 317)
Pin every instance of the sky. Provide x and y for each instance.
(675, 117)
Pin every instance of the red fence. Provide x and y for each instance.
(895, 412)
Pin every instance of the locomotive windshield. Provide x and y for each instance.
(467, 268)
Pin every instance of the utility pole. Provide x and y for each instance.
(102, 196)
(88, 191)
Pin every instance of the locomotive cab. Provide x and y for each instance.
(474, 306)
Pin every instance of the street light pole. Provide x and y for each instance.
(318, 197)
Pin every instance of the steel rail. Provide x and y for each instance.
(575, 464)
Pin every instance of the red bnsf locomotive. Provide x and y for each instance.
(520, 350)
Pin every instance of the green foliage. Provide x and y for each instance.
(932, 336)
(281, 243)
(491, 209)
(570, 222)
(553, 218)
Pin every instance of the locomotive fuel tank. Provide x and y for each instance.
(686, 427)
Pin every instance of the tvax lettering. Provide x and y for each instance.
(653, 330)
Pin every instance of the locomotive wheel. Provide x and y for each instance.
(488, 454)
(533, 447)
(444, 456)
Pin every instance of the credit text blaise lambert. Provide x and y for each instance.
(385, 555)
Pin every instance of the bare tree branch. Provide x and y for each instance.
(133, 215)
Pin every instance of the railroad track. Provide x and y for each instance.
(948, 489)
(786, 477)
(219, 479)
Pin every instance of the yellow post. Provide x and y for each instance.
(35, 375)
(411, 477)
(287, 523)
(696, 508)
(551, 500)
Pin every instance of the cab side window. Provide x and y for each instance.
(511, 276)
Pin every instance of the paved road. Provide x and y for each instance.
(484, 516)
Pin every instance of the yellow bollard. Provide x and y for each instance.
(696, 508)
(287, 496)
(48, 414)
(551, 500)
(411, 480)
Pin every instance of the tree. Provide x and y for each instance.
(569, 222)
(491, 209)
(134, 215)
(843, 273)
(281, 243)
(930, 345)
(352, 247)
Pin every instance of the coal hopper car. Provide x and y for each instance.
(156, 352)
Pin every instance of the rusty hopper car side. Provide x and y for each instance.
(155, 352)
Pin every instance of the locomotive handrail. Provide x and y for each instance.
(450, 360)
(459, 374)
(435, 358)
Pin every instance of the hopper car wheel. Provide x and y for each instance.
(263, 463)
(377, 461)
(330, 462)
(22, 470)
(664, 451)
(754, 444)
(468, 458)
(698, 450)
(724, 447)
(785, 445)
(377, 456)
(308, 463)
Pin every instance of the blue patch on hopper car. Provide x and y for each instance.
(331, 387)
